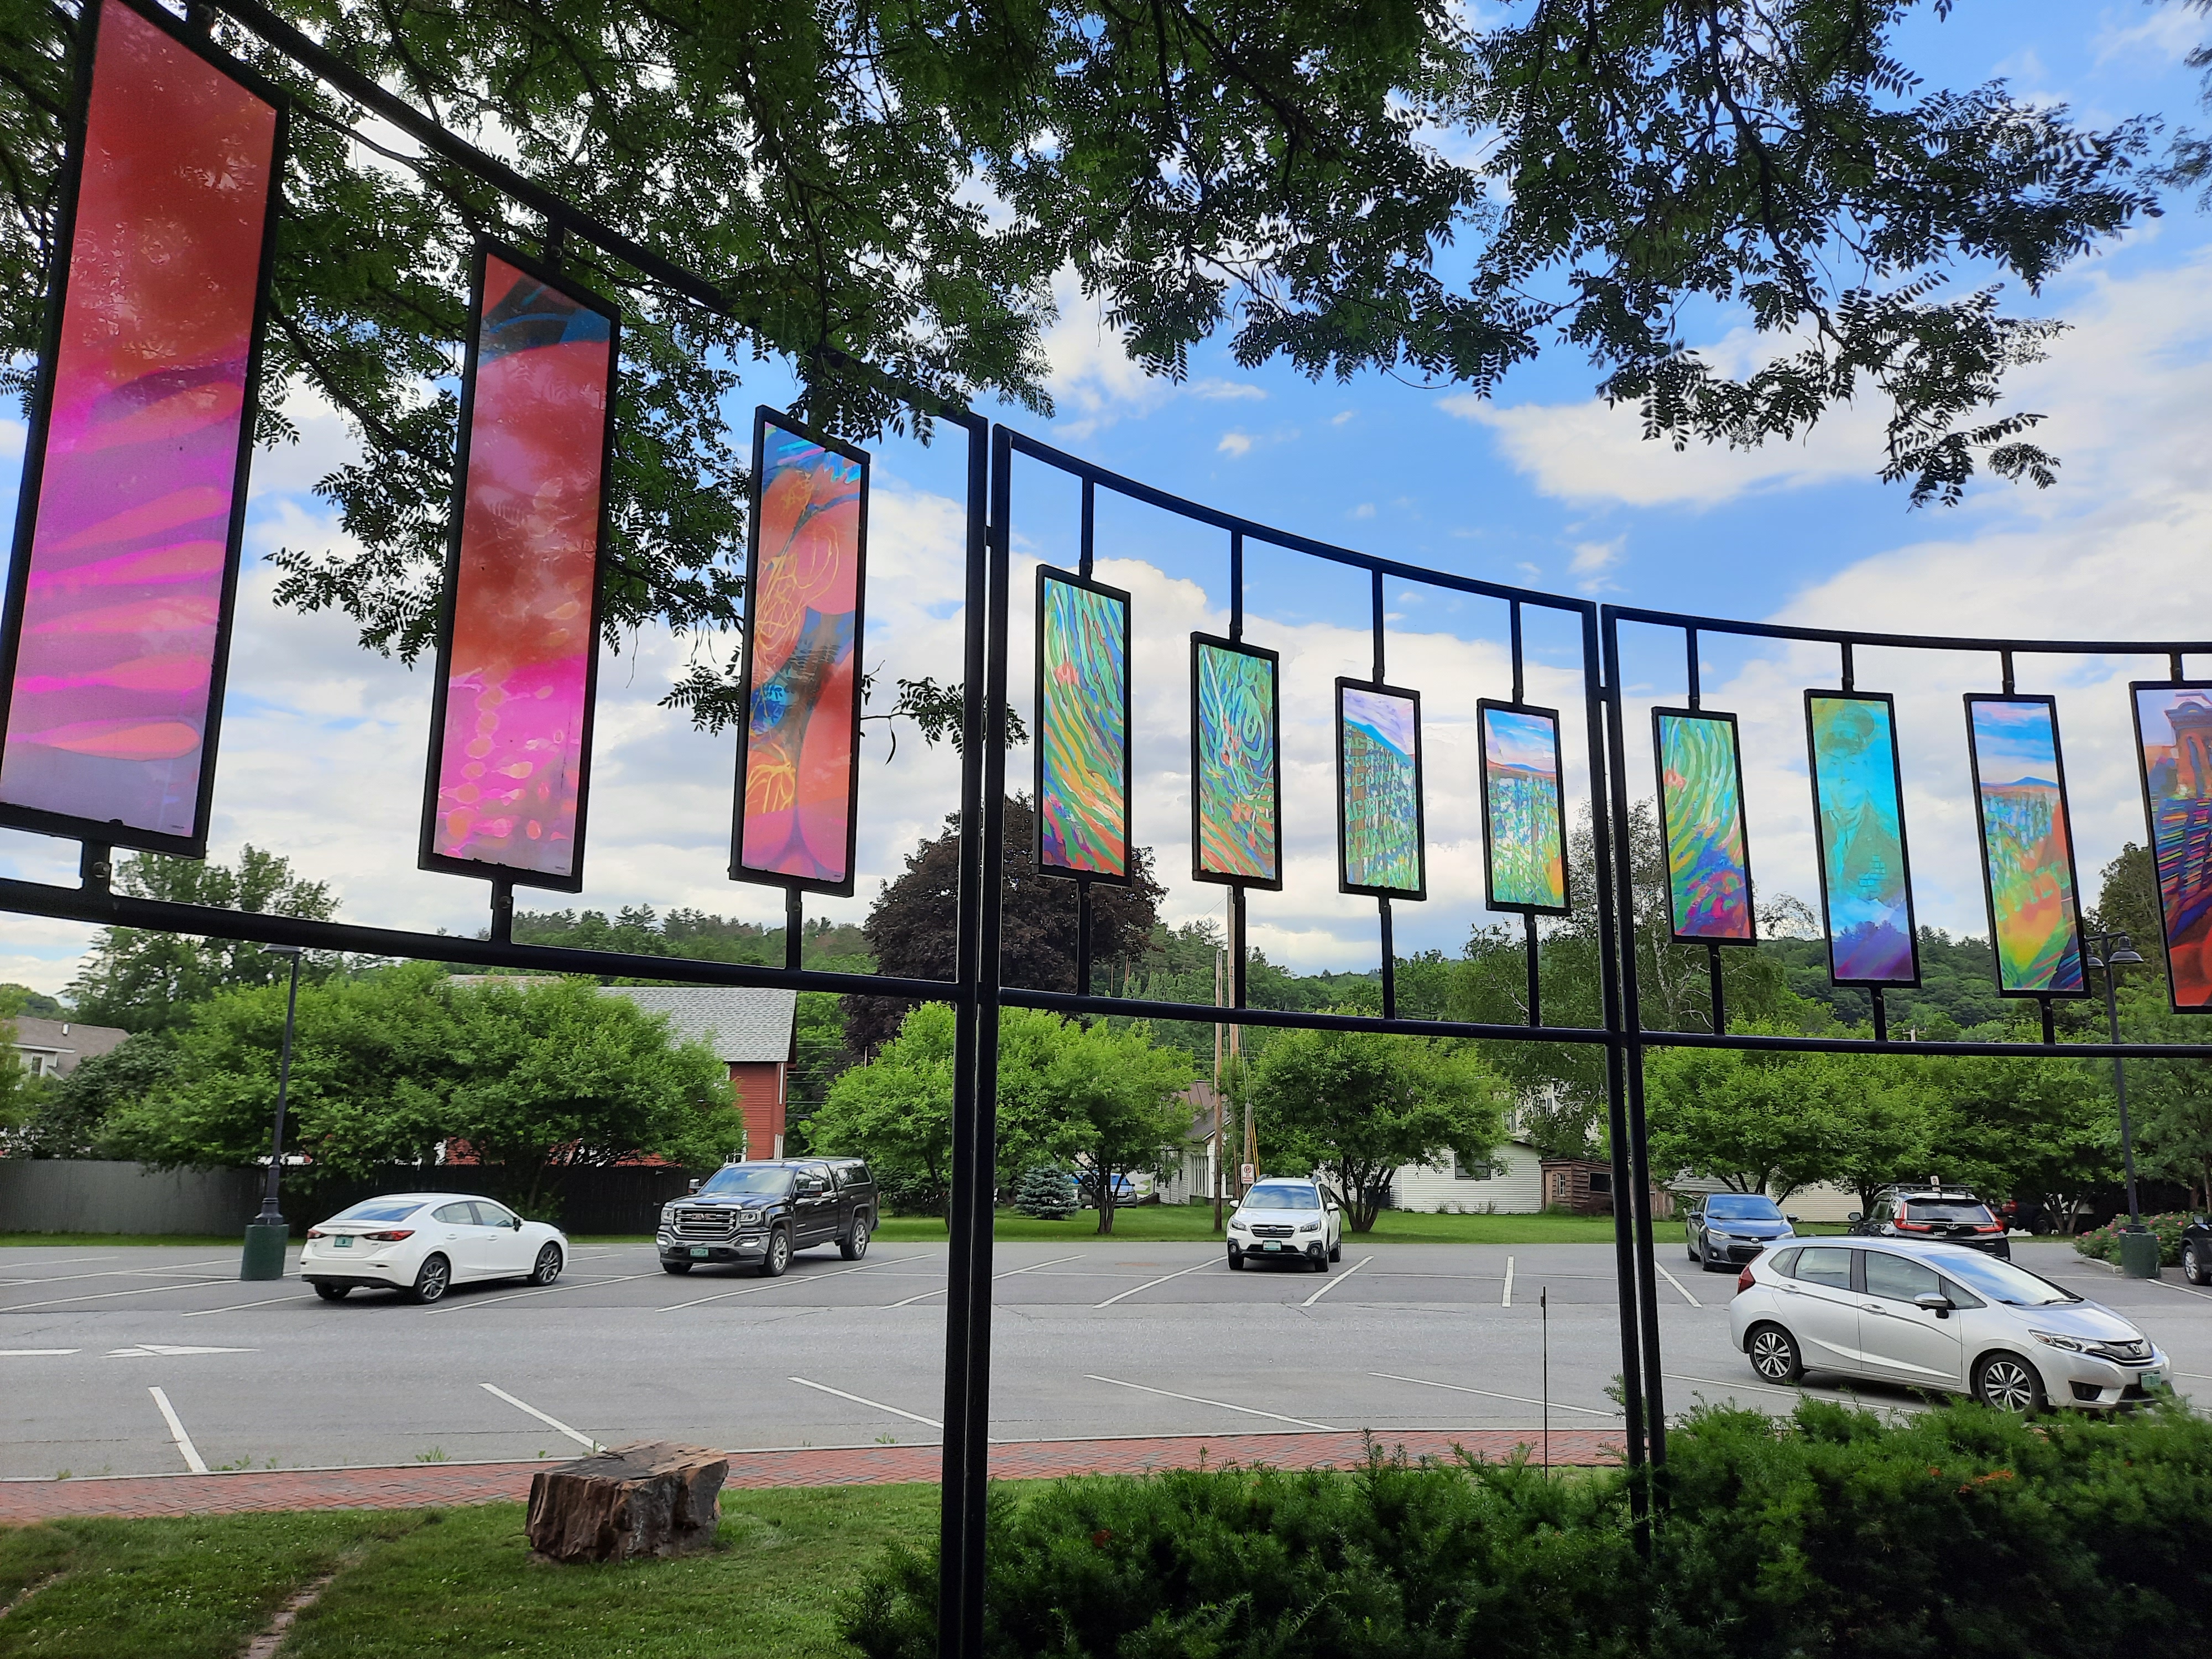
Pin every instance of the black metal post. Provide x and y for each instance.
(1083, 939)
(95, 867)
(1607, 821)
(1236, 585)
(2050, 1023)
(1713, 980)
(502, 910)
(1375, 608)
(1881, 1014)
(1389, 960)
(266, 1234)
(795, 926)
(1530, 949)
(960, 1508)
(1638, 1197)
(1236, 947)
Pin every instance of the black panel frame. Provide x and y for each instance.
(1674, 933)
(1344, 882)
(2066, 816)
(1046, 574)
(1200, 644)
(1904, 845)
(1483, 708)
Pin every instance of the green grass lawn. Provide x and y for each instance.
(459, 1584)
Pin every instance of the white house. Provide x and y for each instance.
(1512, 1184)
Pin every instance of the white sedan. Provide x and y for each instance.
(423, 1243)
(1939, 1316)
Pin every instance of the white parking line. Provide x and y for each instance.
(1201, 1399)
(540, 1290)
(192, 1459)
(29, 1353)
(584, 1440)
(184, 1267)
(99, 1296)
(2184, 1289)
(1149, 1283)
(201, 1313)
(1011, 1272)
(874, 1405)
(1336, 1281)
(1507, 1301)
(1677, 1284)
(1518, 1398)
(773, 1284)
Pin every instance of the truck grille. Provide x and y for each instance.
(706, 1223)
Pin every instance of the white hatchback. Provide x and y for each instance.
(1286, 1220)
(1939, 1316)
(423, 1244)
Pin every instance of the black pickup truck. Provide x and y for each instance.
(754, 1214)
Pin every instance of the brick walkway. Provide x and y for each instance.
(423, 1485)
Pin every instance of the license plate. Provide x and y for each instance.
(700, 1251)
(1271, 1245)
(342, 1241)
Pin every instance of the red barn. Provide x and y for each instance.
(753, 1032)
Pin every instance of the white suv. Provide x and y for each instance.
(1287, 1220)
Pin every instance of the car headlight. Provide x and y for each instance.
(2070, 1344)
(1310, 1227)
(1235, 1225)
(749, 1217)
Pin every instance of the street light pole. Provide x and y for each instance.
(267, 1234)
(2112, 952)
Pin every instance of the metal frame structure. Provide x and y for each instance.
(975, 990)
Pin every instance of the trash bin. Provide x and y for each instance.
(2139, 1254)
(265, 1250)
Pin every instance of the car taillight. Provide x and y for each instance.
(390, 1238)
(1904, 1226)
(1744, 1281)
(1991, 1227)
(317, 1232)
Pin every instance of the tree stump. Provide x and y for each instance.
(649, 1498)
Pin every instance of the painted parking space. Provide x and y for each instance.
(1091, 1338)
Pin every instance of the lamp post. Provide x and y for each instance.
(267, 1234)
(2112, 952)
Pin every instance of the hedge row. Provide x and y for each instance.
(1958, 1534)
(2103, 1243)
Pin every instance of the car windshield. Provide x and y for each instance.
(381, 1209)
(1282, 1198)
(1742, 1206)
(1947, 1209)
(737, 1178)
(2000, 1282)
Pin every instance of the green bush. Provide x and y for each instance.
(2103, 1243)
(1830, 1534)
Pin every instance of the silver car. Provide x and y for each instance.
(1939, 1316)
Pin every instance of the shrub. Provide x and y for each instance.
(1830, 1534)
(2103, 1243)
(1046, 1193)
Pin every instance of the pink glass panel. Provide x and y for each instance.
(122, 617)
(511, 756)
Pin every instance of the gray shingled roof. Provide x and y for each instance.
(739, 1025)
(69, 1040)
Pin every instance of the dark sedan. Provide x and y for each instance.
(1726, 1230)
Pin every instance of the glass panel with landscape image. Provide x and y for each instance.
(1701, 819)
(1523, 819)
(2027, 845)
(2173, 741)
(1235, 761)
(1378, 770)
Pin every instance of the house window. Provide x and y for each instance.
(1601, 1181)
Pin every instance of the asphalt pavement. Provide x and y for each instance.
(133, 1360)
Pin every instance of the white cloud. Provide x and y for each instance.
(1234, 443)
(1592, 559)
(1215, 391)
(1364, 510)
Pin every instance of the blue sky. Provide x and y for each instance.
(1544, 487)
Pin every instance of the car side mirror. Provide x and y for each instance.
(1855, 1217)
(1934, 1303)
(1791, 1219)
(691, 1186)
(515, 1222)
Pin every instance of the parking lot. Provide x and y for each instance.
(152, 1360)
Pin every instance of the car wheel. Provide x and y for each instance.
(1336, 1251)
(333, 1293)
(779, 1255)
(1321, 1262)
(2005, 1383)
(1237, 1262)
(2194, 1267)
(854, 1244)
(676, 1267)
(548, 1267)
(1773, 1353)
(432, 1279)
